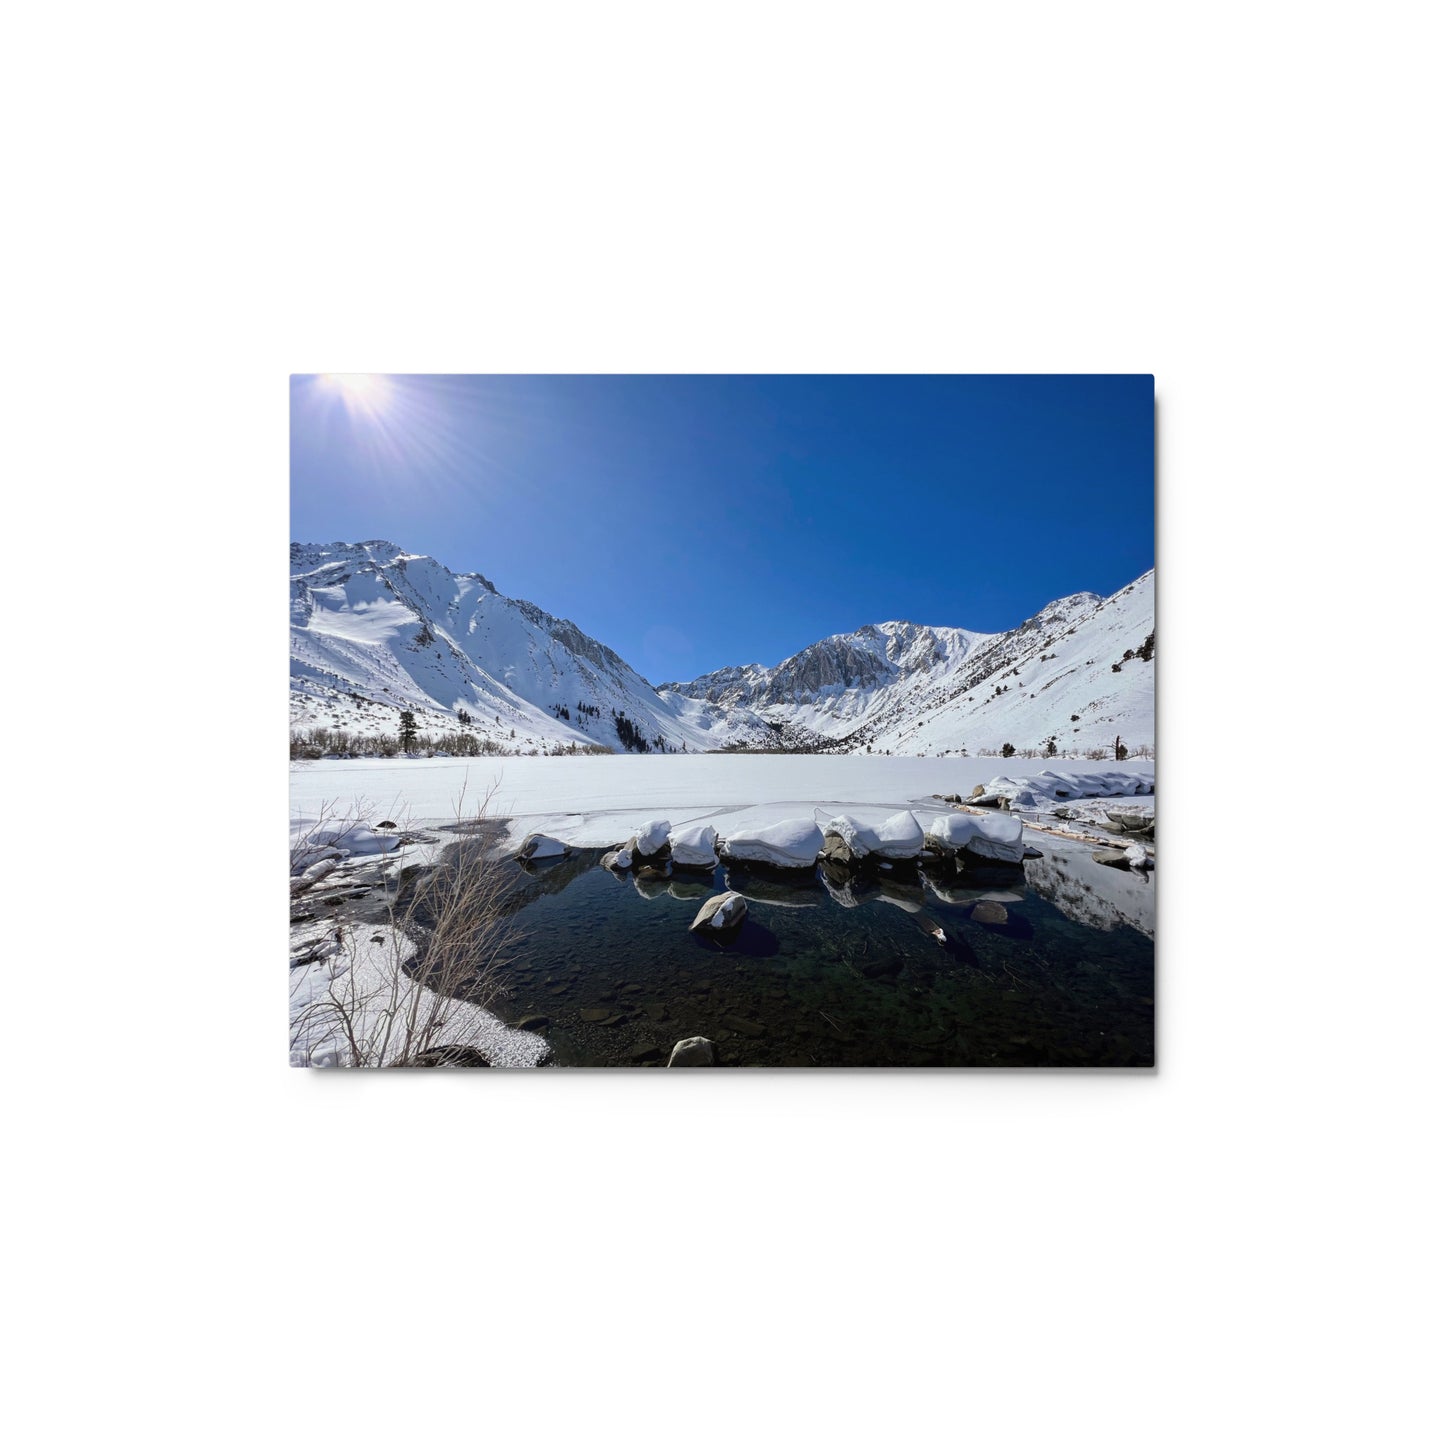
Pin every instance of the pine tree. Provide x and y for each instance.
(408, 730)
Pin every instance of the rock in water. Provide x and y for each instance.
(1112, 859)
(989, 912)
(451, 1056)
(652, 838)
(694, 846)
(539, 845)
(687, 1053)
(619, 860)
(724, 912)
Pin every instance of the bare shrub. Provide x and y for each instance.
(387, 995)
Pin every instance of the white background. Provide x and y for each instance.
(1239, 199)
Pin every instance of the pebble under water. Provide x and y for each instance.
(607, 961)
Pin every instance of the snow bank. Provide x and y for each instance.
(1045, 789)
(694, 846)
(313, 839)
(363, 993)
(680, 785)
(652, 836)
(993, 837)
(791, 843)
(898, 836)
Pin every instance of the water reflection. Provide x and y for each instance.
(1046, 963)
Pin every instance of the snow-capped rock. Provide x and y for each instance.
(790, 843)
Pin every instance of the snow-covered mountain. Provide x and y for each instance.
(899, 687)
(375, 629)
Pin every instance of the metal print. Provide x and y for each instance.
(722, 721)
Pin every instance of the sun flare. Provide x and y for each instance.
(362, 391)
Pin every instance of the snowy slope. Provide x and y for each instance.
(375, 629)
(900, 687)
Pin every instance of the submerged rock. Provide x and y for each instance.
(722, 913)
(746, 1027)
(990, 912)
(1112, 858)
(451, 1056)
(692, 1053)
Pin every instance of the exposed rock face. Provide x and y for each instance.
(873, 656)
(692, 1053)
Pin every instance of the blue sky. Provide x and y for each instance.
(691, 522)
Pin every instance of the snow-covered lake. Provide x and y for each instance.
(594, 801)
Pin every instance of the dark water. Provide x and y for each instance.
(808, 981)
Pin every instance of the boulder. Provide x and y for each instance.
(898, 836)
(619, 860)
(652, 838)
(691, 1053)
(743, 1026)
(721, 914)
(990, 912)
(1131, 822)
(1112, 858)
(536, 846)
(694, 846)
(984, 837)
(791, 843)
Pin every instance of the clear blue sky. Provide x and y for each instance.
(691, 522)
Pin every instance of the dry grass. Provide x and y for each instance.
(424, 986)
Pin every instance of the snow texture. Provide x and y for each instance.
(1045, 790)
(694, 846)
(989, 837)
(897, 836)
(652, 836)
(789, 843)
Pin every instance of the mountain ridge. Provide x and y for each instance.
(375, 629)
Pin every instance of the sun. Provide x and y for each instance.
(362, 391)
